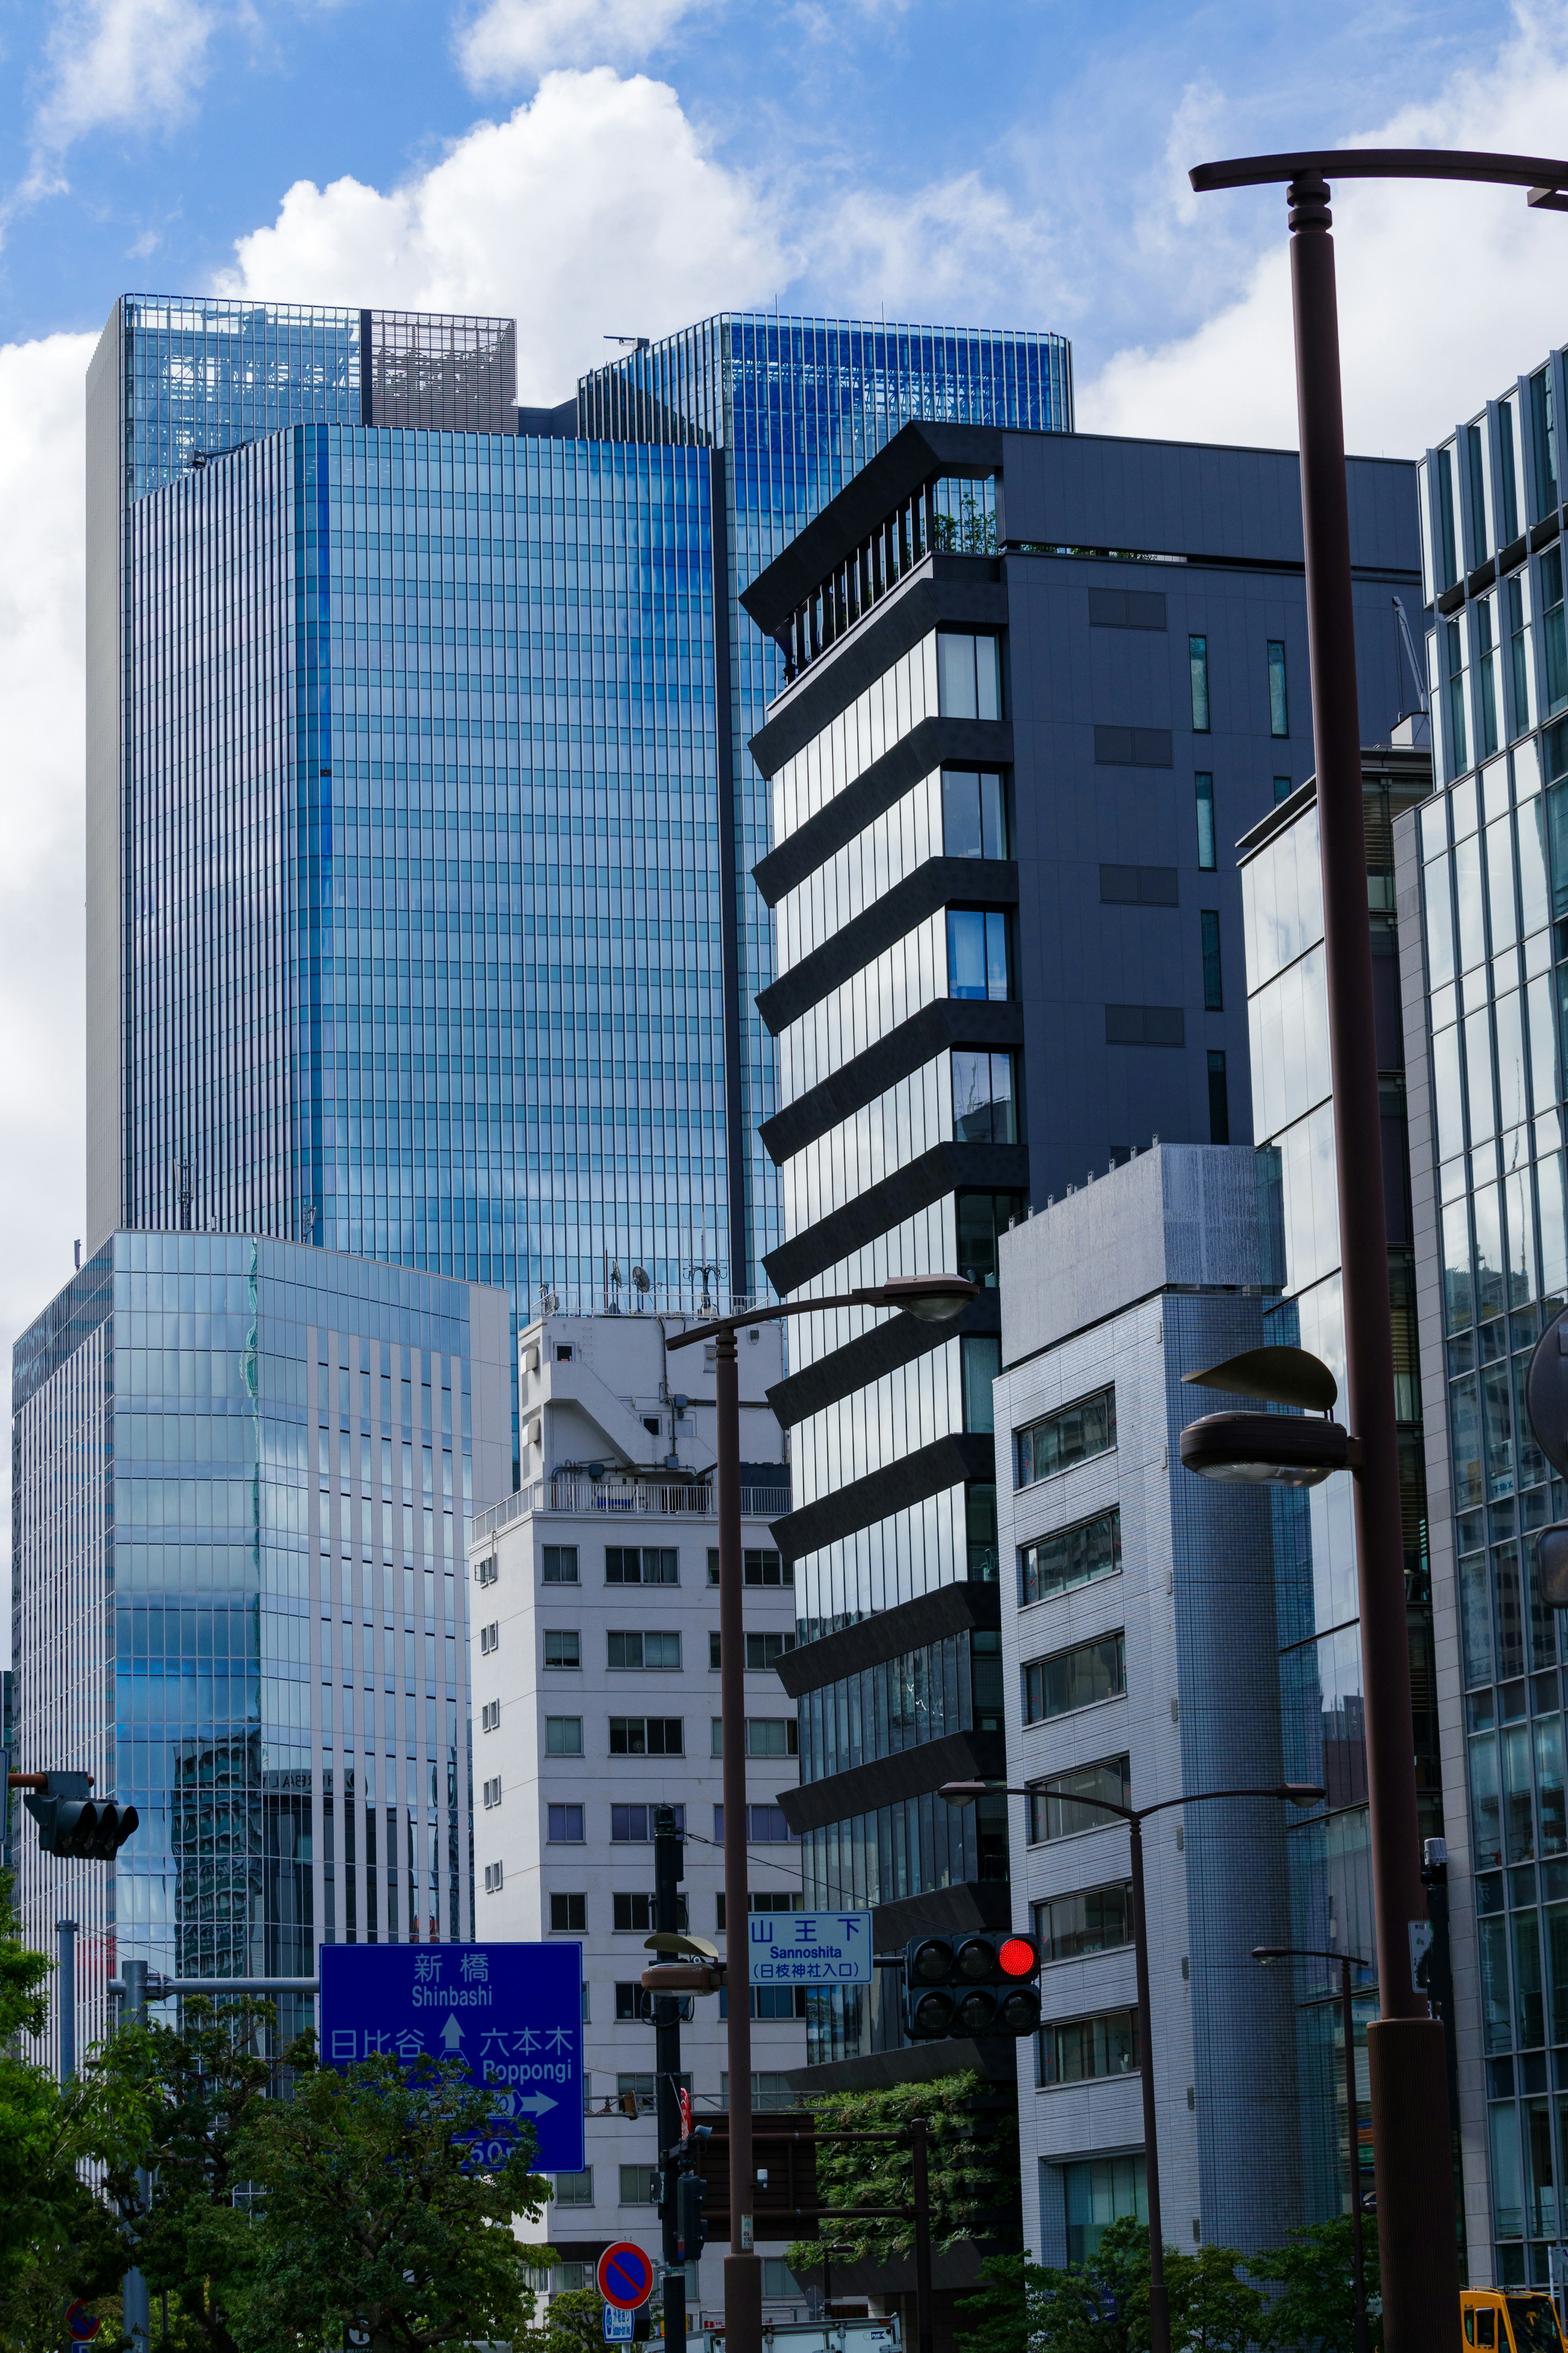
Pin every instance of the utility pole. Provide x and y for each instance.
(65, 1998)
(668, 1870)
(133, 2290)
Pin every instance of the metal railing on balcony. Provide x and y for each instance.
(623, 1498)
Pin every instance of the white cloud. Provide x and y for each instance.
(132, 64)
(513, 41)
(594, 209)
(1445, 292)
(955, 249)
(42, 944)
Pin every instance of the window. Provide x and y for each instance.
(779, 2282)
(563, 1735)
(492, 1792)
(1094, 1920)
(765, 1825)
(1553, 640)
(1458, 737)
(574, 2188)
(1283, 788)
(634, 1825)
(768, 1736)
(560, 1564)
(763, 1651)
(646, 1735)
(1099, 2190)
(489, 1637)
(563, 1649)
(1480, 540)
(968, 676)
(1544, 432)
(564, 1825)
(1089, 1673)
(1054, 1809)
(1214, 981)
(633, 1914)
(1072, 1434)
(1510, 527)
(485, 1570)
(1204, 785)
(636, 2095)
(1070, 1557)
(769, 2002)
(569, 1915)
(493, 1878)
(977, 953)
(490, 1715)
(1448, 545)
(766, 1900)
(633, 2003)
(979, 1364)
(1082, 2048)
(757, 1568)
(1198, 670)
(1219, 1098)
(563, 1352)
(981, 1219)
(636, 2184)
(1279, 707)
(647, 1651)
(974, 813)
(769, 2091)
(644, 1564)
(715, 1660)
(1517, 591)
(983, 1105)
(980, 1532)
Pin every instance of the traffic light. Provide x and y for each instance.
(977, 1984)
(72, 1823)
(690, 2224)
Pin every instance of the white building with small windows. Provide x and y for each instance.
(594, 1607)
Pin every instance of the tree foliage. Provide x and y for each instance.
(370, 2216)
(1219, 2299)
(973, 2166)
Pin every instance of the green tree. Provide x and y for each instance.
(574, 2321)
(1313, 2273)
(973, 2166)
(370, 2215)
(1006, 2312)
(1102, 2305)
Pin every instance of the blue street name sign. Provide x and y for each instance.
(620, 2328)
(512, 2013)
(810, 1948)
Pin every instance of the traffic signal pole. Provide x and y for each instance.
(1159, 2302)
(66, 1998)
(668, 1872)
(134, 2288)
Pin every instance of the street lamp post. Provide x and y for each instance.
(1347, 1962)
(936, 1298)
(1411, 2138)
(1295, 1793)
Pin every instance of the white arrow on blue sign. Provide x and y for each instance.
(512, 2013)
(810, 1948)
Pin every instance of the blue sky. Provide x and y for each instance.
(591, 166)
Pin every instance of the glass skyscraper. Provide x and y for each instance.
(793, 408)
(244, 1471)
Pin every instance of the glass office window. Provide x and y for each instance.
(984, 1110)
(560, 1564)
(1072, 1434)
(1486, 676)
(1544, 432)
(974, 813)
(979, 1363)
(1283, 788)
(1554, 636)
(977, 953)
(1090, 1920)
(1214, 978)
(1219, 1097)
(1198, 672)
(969, 676)
(1069, 1557)
(1073, 1679)
(1516, 592)
(1458, 735)
(1056, 1807)
(1205, 784)
(1278, 706)
(642, 1564)
(1448, 537)
(1508, 528)
(1475, 454)
(1077, 2050)
(1098, 2192)
(981, 1219)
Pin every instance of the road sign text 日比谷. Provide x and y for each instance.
(512, 2013)
(810, 1948)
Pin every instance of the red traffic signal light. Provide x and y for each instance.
(975, 1984)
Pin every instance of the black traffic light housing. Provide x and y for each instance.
(678, 2178)
(978, 1984)
(72, 1823)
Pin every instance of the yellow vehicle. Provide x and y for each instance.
(1511, 2320)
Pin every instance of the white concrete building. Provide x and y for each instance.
(594, 1615)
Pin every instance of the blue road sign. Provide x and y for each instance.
(512, 2013)
(811, 1948)
(620, 2328)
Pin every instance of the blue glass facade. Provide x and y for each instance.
(796, 406)
(421, 854)
(244, 1471)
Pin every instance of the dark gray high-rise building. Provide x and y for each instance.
(1037, 685)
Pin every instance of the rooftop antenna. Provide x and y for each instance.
(1422, 703)
(705, 1304)
(642, 1284)
(638, 343)
(612, 1286)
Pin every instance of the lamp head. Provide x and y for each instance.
(1266, 1953)
(1300, 1793)
(964, 1793)
(934, 1298)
